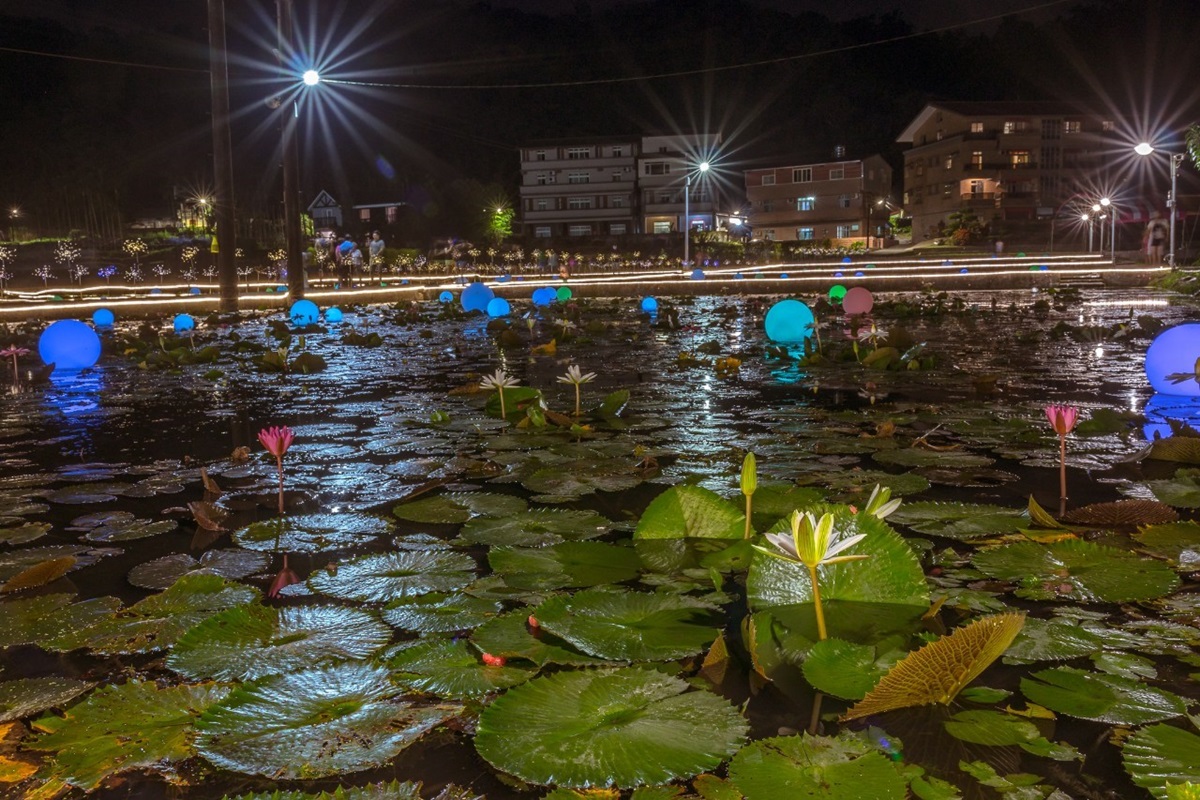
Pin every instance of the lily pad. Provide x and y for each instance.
(440, 613)
(311, 533)
(252, 641)
(914, 457)
(960, 521)
(690, 512)
(314, 723)
(453, 669)
(130, 529)
(630, 626)
(28, 696)
(842, 669)
(25, 533)
(534, 528)
(384, 577)
(1052, 640)
(46, 619)
(816, 768)
(1073, 569)
(1182, 491)
(853, 483)
(135, 725)
(232, 564)
(1178, 541)
(378, 791)
(997, 729)
(511, 636)
(1101, 698)
(458, 507)
(590, 728)
(570, 564)
(1159, 755)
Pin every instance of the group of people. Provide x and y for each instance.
(348, 258)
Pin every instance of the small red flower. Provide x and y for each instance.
(532, 622)
(494, 661)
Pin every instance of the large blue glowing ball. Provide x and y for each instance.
(70, 345)
(304, 312)
(847, 260)
(697, 274)
(498, 307)
(1161, 408)
(446, 297)
(737, 276)
(963, 271)
(789, 322)
(194, 290)
(1043, 267)
(563, 294)
(103, 318)
(783, 275)
(476, 297)
(1174, 352)
(649, 305)
(544, 296)
(333, 314)
(183, 323)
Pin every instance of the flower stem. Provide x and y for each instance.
(577, 411)
(1062, 473)
(279, 462)
(749, 504)
(816, 587)
(503, 413)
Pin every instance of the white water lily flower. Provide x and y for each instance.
(879, 506)
(576, 376)
(812, 542)
(498, 380)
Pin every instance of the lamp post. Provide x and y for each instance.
(702, 168)
(1112, 224)
(1145, 149)
(13, 214)
(1087, 219)
(222, 157)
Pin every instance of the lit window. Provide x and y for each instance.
(1016, 126)
(579, 152)
(657, 168)
(806, 203)
(1108, 125)
(976, 127)
(843, 231)
(539, 155)
(579, 230)
(545, 178)
(617, 229)
(364, 214)
(543, 204)
(844, 201)
(1072, 126)
(391, 214)
(1018, 157)
(661, 226)
(769, 234)
(805, 234)
(948, 162)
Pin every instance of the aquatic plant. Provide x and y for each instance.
(277, 440)
(749, 485)
(576, 377)
(879, 505)
(1062, 420)
(499, 380)
(13, 351)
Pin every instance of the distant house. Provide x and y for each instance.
(325, 211)
(378, 215)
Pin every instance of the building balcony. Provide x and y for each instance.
(578, 215)
(972, 197)
(552, 164)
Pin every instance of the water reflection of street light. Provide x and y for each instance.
(1145, 149)
(702, 168)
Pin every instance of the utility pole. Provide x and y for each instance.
(222, 157)
(291, 158)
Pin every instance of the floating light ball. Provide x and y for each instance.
(183, 323)
(947, 263)
(563, 294)
(837, 292)
(476, 297)
(194, 290)
(333, 315)
(446, 297)
(963, 271)
(1174, 352)
(697, 274)
(156, 291)
(70, 345)
(304, 312)
(1162, 407)
(544, 296)
(737, 276)
(859, 274)
(783, 275)
(789, 322)
(498, 307)
(839, 274)
(649, 305)
(1043, 267)
(503, 279)
(858, 301)
(103, 318)
(847, 260)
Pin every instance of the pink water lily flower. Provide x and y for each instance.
(1062, 418)
(286, 577)
(12, 351)
(277, 440)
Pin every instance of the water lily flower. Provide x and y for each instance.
(285, 577)
(1062, 420)
(499, 380)
(277, 440)
(576, 377)
(12, 351)
(879, 505)
(494, 661)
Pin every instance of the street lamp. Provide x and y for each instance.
(1088, 220)
(1112, 224)
(13, 214)
(1145, 149)
(311, 77)
(702, 168)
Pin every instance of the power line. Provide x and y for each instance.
(100, 60)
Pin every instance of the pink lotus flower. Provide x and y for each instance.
(277, 440)
(286, 577)
(1062, 418)
(12, 351)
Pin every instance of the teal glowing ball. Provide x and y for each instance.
(697, 274)
(103, 318)
(70, 345)
(837, 292)
(446, 297)
(304, 312)
(649, 305)
(476, 297)
(789, 322)
(544, 296)
(498, 307)
(333, 314)
(563, 294)
(1174, 352)
(184, 323)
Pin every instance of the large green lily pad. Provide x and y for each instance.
(28, 696)
(232, 564)
(378, 791)
(816, 768)
(1052, 640)
(1181, 491)
(453, 669)
(1162, 754)
(118, 728)
(842, 669)
(630, 626)
(1077, 570)
(311, 533)
(959, 520)
(690, 512)
(569, 564)
(914, 457)
(383, 577)
(1178, 541)
(512, 635)
(314, 723)
(627, 727)
(1101, 698)
(458, 507)
(24, 533)
(51, 621)
(440, 613)
(252, 641)
(534, 528)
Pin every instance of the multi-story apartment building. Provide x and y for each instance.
(1004, 160)
(580, 188)
(840, 201)
(667, 167)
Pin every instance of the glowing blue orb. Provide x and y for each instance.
(544, 296)
(70, 345)
(103, 318)
(783, 275)
(194, 290)
(947, 263)
(1043, 267)
(1174, 352)
(649, 305)
(847, 260)
(446, 297)
(156, 291)
(839, 274)
(333, 314)
(304, 312)
(737, 276)
(498, 307)
(859, 274)
(563, 294)
(697, 274)
(502, 279)
(183, 323)
(963, 271)
(476, 297)
(789, 322)
(1161, 408)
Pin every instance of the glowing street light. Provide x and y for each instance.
(1087, 219)
(702, 168)
(1145, 149)
(311, 77)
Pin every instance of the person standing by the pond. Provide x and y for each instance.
(375, 249)
(1156, 237)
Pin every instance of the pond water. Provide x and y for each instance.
(99, 469)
